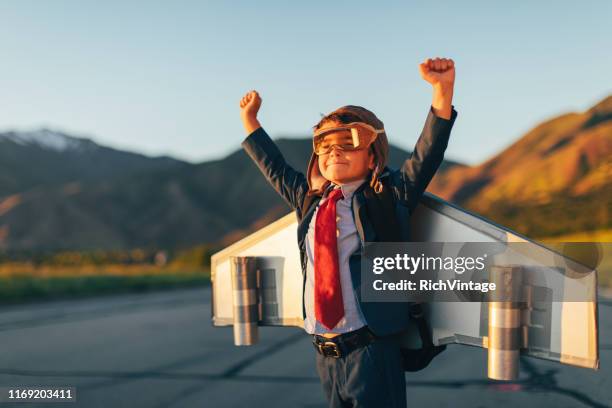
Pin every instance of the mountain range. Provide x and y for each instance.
(62, 192)
(555, 180)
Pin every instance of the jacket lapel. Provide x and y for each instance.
(365, 229)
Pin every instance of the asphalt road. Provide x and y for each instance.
(160, 350)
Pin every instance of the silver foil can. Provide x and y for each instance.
(245, 300)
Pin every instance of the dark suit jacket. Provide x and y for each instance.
(407, 184)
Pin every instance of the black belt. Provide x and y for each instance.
(343, 344)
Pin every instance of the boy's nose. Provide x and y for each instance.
(335, 150)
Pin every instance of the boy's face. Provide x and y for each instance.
(342, 166)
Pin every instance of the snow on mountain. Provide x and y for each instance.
(48, 139)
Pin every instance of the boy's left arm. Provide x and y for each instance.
(416, 172)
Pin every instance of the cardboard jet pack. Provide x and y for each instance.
(257, 281)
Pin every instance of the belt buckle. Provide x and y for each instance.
(328, 348)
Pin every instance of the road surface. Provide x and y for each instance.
(160, 350)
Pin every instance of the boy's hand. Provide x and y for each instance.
(249, 106)
(440, 73)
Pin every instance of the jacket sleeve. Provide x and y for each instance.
(287, 182)
(417, 171)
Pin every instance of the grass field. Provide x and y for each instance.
(27, 281)
(24, 282)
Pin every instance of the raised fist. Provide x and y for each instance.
(249, 105)
(438, 71)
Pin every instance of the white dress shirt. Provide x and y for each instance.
(348, 243)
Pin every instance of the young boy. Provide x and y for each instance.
(341, 203)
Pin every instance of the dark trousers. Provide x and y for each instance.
(370, 376)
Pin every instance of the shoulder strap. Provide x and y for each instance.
(418, 359)
(416, 313)
(381, 212)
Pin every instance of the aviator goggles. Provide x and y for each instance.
(352, 136)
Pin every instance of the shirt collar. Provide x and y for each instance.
(348, 189)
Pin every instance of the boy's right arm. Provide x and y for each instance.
(288, 182)
(418, 170)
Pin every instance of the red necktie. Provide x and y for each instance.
(329, 307)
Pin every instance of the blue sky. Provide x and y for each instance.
(166, 77)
